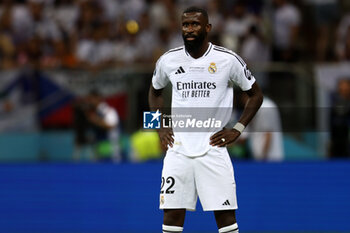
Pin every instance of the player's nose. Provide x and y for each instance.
(189, 29)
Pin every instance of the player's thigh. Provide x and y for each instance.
(215, 181)
(178, 189)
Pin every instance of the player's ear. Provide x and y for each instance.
(208, 28)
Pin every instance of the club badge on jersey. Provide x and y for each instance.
(212, 68)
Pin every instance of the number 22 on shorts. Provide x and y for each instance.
(169, 180)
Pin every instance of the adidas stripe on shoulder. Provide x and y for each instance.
(225, 50)
(175, 49)
(171, 51)
(168, 52)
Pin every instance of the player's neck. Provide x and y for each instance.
(197, 52)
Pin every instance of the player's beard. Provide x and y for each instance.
(194, 45)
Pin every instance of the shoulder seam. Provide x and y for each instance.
(174, 50)
(233, 54)
(220, 47)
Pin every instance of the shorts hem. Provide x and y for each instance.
(170, 208)
(217, 209)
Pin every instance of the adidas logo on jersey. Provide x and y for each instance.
(226, 203)
(180, 70)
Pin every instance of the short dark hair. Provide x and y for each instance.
(197, 9)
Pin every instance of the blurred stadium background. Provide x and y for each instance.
(55, 178)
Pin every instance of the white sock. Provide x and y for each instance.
(172, 229)
(229, 229)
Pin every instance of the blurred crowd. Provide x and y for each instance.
(100, 33)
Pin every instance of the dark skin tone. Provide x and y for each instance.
(252, 105)
(195, 28)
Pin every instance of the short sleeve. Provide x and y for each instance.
(160, 78)
(240, 74)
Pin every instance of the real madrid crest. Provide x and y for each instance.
(212, 68)
(162, 200)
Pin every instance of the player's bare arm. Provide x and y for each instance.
(156, 101)
(252, 105)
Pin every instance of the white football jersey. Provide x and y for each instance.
(201, 88)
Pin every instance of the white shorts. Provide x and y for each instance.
(209, 176)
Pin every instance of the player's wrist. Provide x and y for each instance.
(239, 127)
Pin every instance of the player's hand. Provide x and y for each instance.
(166, 137)
(224, 137)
